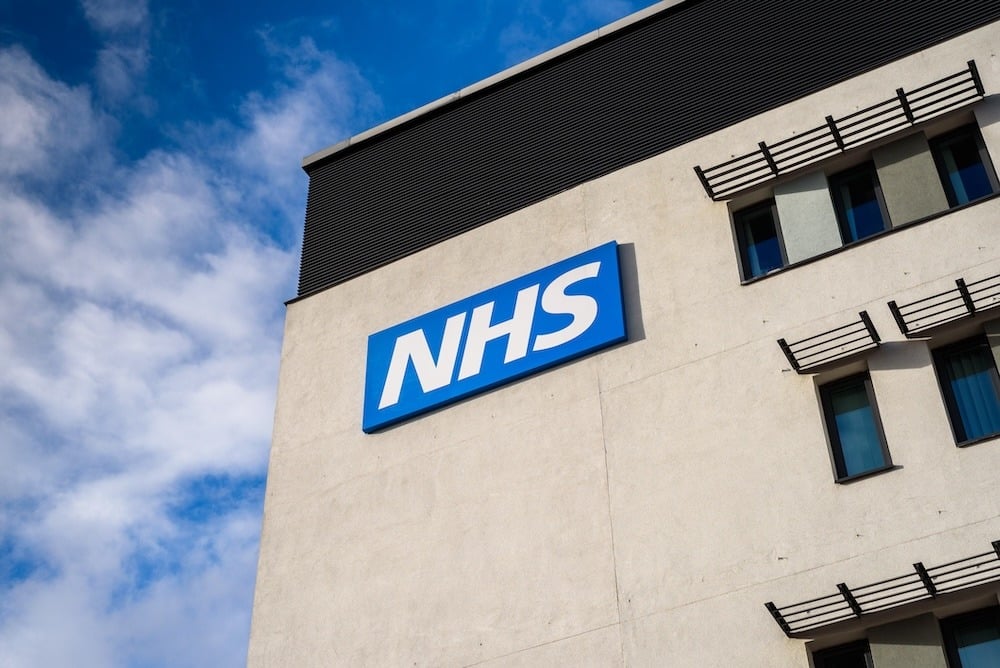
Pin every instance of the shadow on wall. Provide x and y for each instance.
(631, 298)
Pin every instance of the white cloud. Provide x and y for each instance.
(115, 15)
(118, 65)
(42, 119)
(139, 327)
(321, 101)
(121, 63)
(28, 638)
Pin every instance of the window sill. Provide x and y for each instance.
(880, 235)
(977, 441)
(867, 474)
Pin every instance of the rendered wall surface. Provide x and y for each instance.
(915, 642)
(910, 182)
(807, 217)
(636, 507)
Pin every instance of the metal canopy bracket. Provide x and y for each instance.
(805, 619)
(904, 109)
(963, 301)
(834, 346)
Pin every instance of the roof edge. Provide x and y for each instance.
(493, 80)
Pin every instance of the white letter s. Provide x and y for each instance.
(583, 308)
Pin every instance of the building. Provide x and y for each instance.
(792, 458)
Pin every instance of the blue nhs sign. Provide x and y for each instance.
(546, 317)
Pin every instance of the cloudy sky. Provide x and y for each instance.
(151, 206)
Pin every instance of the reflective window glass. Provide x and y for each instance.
(858, 201)
(973, 640)
(971, 387)
(760, 245)
(964, 165)
(853, 426)
(852, 655)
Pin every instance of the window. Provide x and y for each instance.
(760, 244)
(853, 655)
(857, 198)
(860, 211)
(964, 165)
(852, 422)
(967, 372)
(972, 640)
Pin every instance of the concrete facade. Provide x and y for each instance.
(639, 506)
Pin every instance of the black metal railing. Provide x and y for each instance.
(963, 301)
(800, 620)
(831, 346)
(838, 135)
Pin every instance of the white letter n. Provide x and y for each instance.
(517, 330)
(431, 374)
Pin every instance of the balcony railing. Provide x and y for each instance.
(833, 346)
(836, 135)
(963, 301)
(801, 620)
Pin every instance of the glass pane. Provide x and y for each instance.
(970, 383)
(966, 173)
(763, 252)
(852, 660)
(863, 215)
(858, 656)
(978, 644)
(860, 445)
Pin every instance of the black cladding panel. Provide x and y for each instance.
(681, 74)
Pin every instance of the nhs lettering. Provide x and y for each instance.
(549, 316)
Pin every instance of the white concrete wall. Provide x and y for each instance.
(639, 506)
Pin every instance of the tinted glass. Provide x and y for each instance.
(978, 645)
(761, 248)
(859, 442)
(852, 660)
(961, 163)
(858, 204)
(855, 656)
(973, 640)
(968, 373)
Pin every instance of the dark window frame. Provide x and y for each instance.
(834, 441)
(741, 241)
(874, 238)
(822, 657)
(940, 356)
(970, 130)
(836, 180)
(950, 624)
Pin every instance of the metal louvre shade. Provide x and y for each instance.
(815, 616)
(832, 347)
(963, 301)
(678, 75)
(838, 135)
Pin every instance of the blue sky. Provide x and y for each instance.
(151, 206)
